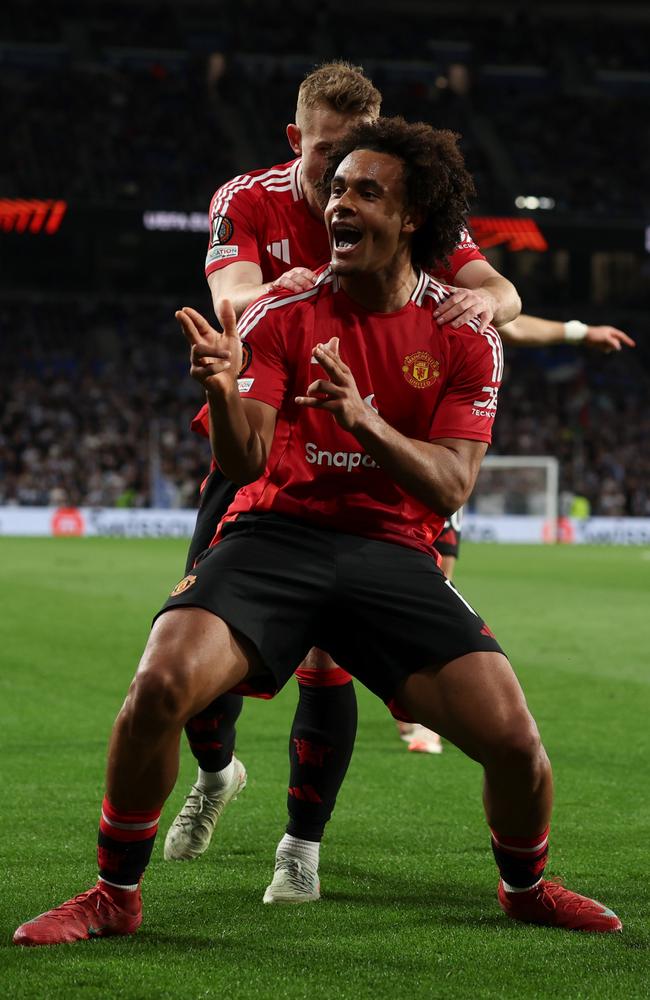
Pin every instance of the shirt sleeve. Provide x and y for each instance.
(201, 422)
(233, 230)
(469, 406)
(265, 374)
(465, 251)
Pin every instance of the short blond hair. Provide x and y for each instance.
(341, 87)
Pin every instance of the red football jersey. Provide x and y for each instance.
(426, 381)
(262, 217)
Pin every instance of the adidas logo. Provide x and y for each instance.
(280, 249)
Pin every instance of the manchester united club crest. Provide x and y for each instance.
(420, 369)
(184, 585)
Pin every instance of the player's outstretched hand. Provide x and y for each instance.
(607, 339)
(298, 279)
(215, 358)
(338, 394)
(466, 304)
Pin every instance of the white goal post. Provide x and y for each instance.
(518, 485)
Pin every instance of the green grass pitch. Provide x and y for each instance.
(409, 908)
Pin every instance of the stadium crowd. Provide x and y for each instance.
(144, 108)
(590, 413)
(116, 431)
(75, 430)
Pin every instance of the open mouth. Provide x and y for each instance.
(346, 237)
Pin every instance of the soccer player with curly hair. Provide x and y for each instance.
(359, 425)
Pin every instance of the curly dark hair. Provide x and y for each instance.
(437, 183)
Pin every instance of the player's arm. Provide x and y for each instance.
(233, 263)
(441, 473)
(533, 331)
(242, 282)
(241, 431)
(483, 293)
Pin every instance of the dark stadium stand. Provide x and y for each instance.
(125, 105)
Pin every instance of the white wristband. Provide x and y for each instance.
(575, 331)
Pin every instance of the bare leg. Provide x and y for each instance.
(477, 703)
(191, 657)
(448, 565)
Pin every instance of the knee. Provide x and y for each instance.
(158, 696)
(519, 747)
(317, 659)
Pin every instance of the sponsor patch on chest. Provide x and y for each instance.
(347, 460)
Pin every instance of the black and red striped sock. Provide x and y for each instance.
(211, 733)
(124, 845)
(521, 860)
(320, 748)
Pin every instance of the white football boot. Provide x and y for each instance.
(294, 881)
(190, 834)
(423, 740)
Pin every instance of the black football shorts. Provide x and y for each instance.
(448, 541)
(216, 497)
(382, 611)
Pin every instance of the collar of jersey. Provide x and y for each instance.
(301, 193)
(356, 306)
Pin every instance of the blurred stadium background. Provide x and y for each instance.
(121, 120)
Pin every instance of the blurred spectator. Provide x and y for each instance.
(88, 421)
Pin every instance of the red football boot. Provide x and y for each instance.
(549, 903)
(95, 913)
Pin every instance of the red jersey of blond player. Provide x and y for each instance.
(262, 217)
(427, 381)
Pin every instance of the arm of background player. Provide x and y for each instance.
(241, 282)
(532, 331)
(482, 293)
